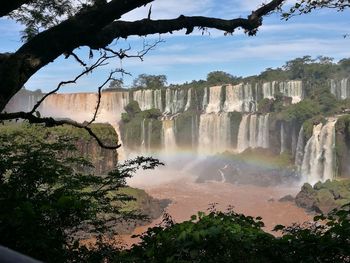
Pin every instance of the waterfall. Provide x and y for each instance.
(214, 133)
(283, 138)
(340, 89)
(318, 161)
(194, 131)
(293, 89)
(243, 137)
(214, 105)
(299, 152)
(268, 89)
(168, 135)
(294, 141)
(143, 136)
(240, 98)
(344, 89)
(248, 100)
(174, 101)
(253, 132)
(233, 100)
(144, 97)
(189, 97)
(149, 134)
(205, 99)
(157, 100)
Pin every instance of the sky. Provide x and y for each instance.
(191, 57)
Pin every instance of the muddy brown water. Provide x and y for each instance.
(189, 197)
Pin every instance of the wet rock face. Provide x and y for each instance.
(324, 197)
(239, 171)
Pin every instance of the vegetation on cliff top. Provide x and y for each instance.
(46, 202)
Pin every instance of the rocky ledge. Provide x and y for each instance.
(324, 197)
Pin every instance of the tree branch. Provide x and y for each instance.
(123, 29)
(63, 38)
(97, 27)
(9, 5)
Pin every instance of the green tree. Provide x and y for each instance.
(221, 77)
(150, 81)
(115, 85)
(46, 202)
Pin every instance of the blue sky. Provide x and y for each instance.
(185, 58)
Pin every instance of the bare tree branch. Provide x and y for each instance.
(80, 31)
(99, 96)
(100, 62)
(79, 60)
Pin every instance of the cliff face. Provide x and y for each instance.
(211, 120)
(103, 160)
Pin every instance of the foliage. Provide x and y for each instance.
(133, 121)
(324, 240)
(150, 81)
(45, 202)
(301, 111)
(115, 85)
(216, 237)
(307, 6)
(232, 237)
(265, 105)
(220, 78)
(132, 108)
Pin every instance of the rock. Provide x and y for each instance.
(325, 201)
(286, 198)
(324, 197)
(306, 198)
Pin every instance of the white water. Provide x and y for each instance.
(214, 133)
(174, 101)
(293, 89)
(243, 137)
(299, 151)
(168, 135)
(253, 132)
(189, 98)
(340, 89)
(283, 139)
(214, 105)
(319, 156)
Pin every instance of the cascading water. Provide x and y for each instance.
(293, 89)
(253, 132)
(168, 135)
(174, 101)
(319, 156)
(214, 105)
(189, 98)
(283, 138)
(144, 97)
(143, 136)
(214, 133)
(205, 99)
(340, 89)
(243, 137)
(239, 98)
(299, 151)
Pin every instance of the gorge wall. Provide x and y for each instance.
(210, 120)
